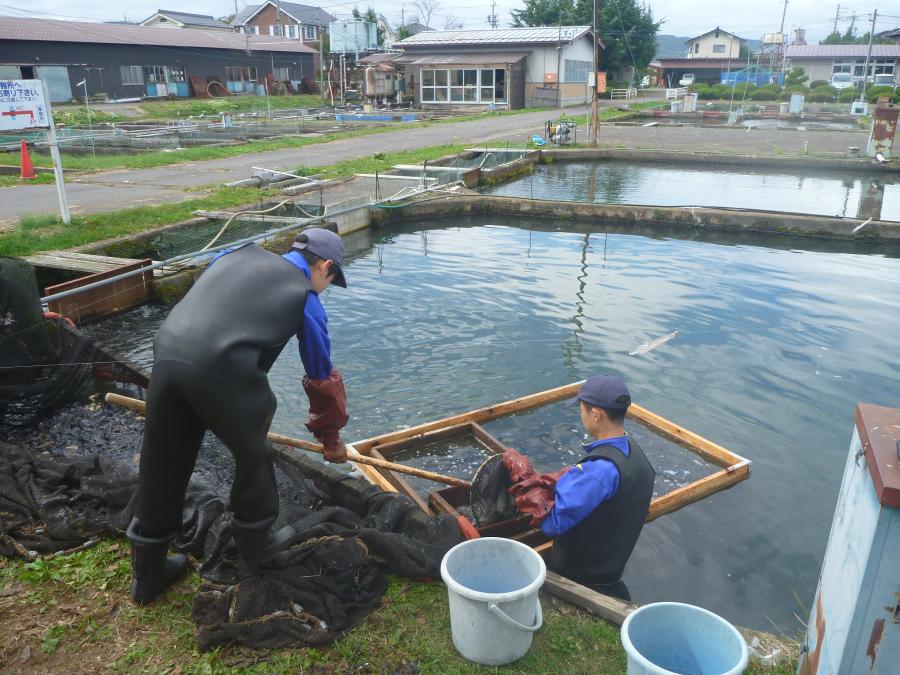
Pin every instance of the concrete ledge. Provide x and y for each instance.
(651, 216)
(769, 162)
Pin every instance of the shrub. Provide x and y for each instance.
(698, 88)
(815, 84)
(795, 76)
(768, 92)
(847, 95)
(825, 94)
(873, 93)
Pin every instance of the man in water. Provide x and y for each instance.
(595, 510)
(211, 359)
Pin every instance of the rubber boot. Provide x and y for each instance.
(255, 540)
(152, 569)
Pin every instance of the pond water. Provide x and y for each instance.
(662, 184)
(775, 346)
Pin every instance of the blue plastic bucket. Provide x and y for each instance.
(671, 637)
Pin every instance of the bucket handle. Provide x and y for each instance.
(538, 619)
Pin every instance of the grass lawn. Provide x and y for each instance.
(72, 614)
(46, 232)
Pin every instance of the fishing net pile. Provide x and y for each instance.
(325, 578)
(43, 363)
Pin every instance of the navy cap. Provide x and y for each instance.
(328, 246)
(604, 391)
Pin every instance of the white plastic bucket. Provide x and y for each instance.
(671, 637)
(492, 586)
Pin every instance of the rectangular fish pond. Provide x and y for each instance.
(777, 340)
(826, 193)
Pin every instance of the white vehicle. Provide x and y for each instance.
(686, 80)
(842, 81)
(883, 79)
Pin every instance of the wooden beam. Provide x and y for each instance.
(487, 440)
(455, 431)
(693, 492)
(605, 606)
(479, 415)
(400, 483)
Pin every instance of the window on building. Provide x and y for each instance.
(696, 47)
(309, 32)
(240, 74)
(155, 74)
(577, 71)
(718, 49)
(179, 74)
(842, 67)
(132, 74)
(464, 85)
(293, 31)
(255, 30)
(282, 74)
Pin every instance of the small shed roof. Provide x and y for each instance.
(511, 36)
(53, 30)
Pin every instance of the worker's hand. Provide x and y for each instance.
(335, 450)
(328, 413)
(534, 493)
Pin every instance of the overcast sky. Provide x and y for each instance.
(689, 18)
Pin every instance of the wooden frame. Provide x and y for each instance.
(732, 467)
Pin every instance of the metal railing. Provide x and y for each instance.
(676, 92)
(630, 92)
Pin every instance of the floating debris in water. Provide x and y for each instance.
(652, 344)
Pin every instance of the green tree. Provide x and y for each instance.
(848, 38)
(795, 76)
(626, 28)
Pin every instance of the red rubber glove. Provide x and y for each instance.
(534, 493)
(328, 413)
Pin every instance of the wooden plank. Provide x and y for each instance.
(78, 262)
(480, 415)
(710, 451)
(605, 606)
(400, 483)
(490, 442)
(252, 217)
(693, 492)
(115, 297)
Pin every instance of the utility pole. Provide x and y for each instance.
(781, 33)
(277, 19)
(837, 14)
(862, 94)
(595, 103)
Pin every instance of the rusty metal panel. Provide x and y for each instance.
(852, 627)
(884, 129)
(110, 299)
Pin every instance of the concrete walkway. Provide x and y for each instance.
(113, 190)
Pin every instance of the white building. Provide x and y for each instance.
(715, 44)
(507, 68)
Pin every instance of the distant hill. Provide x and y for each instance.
(668, 46)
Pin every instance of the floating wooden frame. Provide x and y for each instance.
(732, 467)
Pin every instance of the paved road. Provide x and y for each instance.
(114, 190)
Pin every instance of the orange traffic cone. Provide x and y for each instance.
(27, 166)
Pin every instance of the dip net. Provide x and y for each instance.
(326, 578)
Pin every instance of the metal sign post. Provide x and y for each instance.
(25, 104)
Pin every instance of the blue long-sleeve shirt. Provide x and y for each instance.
(315, 344)
(583, 488)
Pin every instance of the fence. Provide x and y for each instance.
(675, 93)
(630, 92)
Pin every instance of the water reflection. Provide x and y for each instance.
(660, 184)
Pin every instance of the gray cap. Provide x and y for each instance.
(604, 391)
(328, 246)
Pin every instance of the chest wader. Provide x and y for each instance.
(211, 357)
(594, 552)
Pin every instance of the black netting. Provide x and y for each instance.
(43, 363)
(347, 536)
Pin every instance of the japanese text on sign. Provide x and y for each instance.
(22, 105)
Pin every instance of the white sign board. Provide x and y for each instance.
(22, 105)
